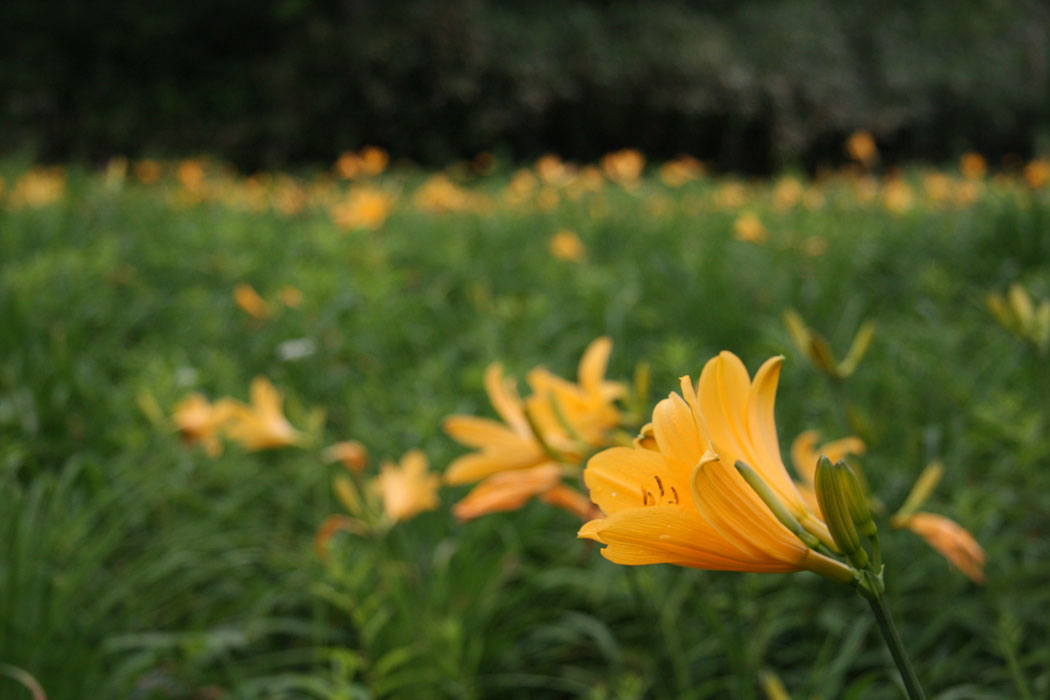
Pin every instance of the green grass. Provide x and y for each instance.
(132, 565)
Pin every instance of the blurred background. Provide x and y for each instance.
(745, 86)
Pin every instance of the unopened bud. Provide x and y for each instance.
(760, 487)
(834, 498)
(857, 500)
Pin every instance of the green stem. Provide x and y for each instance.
(896, 647)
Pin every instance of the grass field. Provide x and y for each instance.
(135, 565)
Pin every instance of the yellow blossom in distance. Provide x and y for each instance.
(804, 455)
(952, 541)
(861, 147)
(249, 301)
(749, 228)
(973, 166)
(681, 170)
(623, 167)
(351, 453)
(261, 425)
(566, 245)
(685, 503)
(365, 207)
(408, 488)
(290, 296)
(372, 160)
(197, 420)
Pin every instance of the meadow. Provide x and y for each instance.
(137, 563)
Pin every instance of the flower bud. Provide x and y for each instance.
(834, 498)
(857, 500)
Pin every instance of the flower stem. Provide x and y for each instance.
(896, 647)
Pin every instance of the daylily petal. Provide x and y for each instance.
(669, 535)
(507, 491)
(623, 477)
(762, 430)
(676, 431)
(478, 465)
(593, 363)
(481, 432)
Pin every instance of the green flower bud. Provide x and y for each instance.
(857, 500)
(834, 498)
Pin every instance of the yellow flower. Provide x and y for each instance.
(681, 170)
(861, 147)
(262, 425)
(348, 166)
(290, 296)
(748, 227)
(897, 196)
(1037, 173)
(351, 453)
(439, 194)
(973, 166)
(952, 540)
(373, 160)
(685, 503)
(38, 187)
(200, 421)
(408, 488)
(552, 171)
(364, 207)
(511, 490)
(559, 416)
(623, 167)
(250, 302)
(804, 456)
(566, 245)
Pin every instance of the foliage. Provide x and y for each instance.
(135, 566)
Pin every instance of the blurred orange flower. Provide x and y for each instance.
(364, 207)
(681, 170)
(973, 166)
(408, 488)
(373, 160)
(261, 425)
(749, 228)
(290, 296)
(351, 453)
(566, 245)
(200, 421)
(1037, 173)
(511, 490)
(952, 540)
(861, 147)
(623, 167)
(250, 302)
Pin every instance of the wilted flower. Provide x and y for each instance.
(685, 502)
(408, 488)
(261, 425)
(250, 302)
(566, 245)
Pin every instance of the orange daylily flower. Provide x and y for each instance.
(749, 228)
(804, 456)
(511, 490)
(624, 166)
(351, 453)
(566, 245)
(685, 503)
(952, 540)
(408, 488)
(564, 414)
(262, 425)
(200, 421)
(861, 147)
(250, 302)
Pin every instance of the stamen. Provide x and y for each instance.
(675, 492)
(659, 485)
